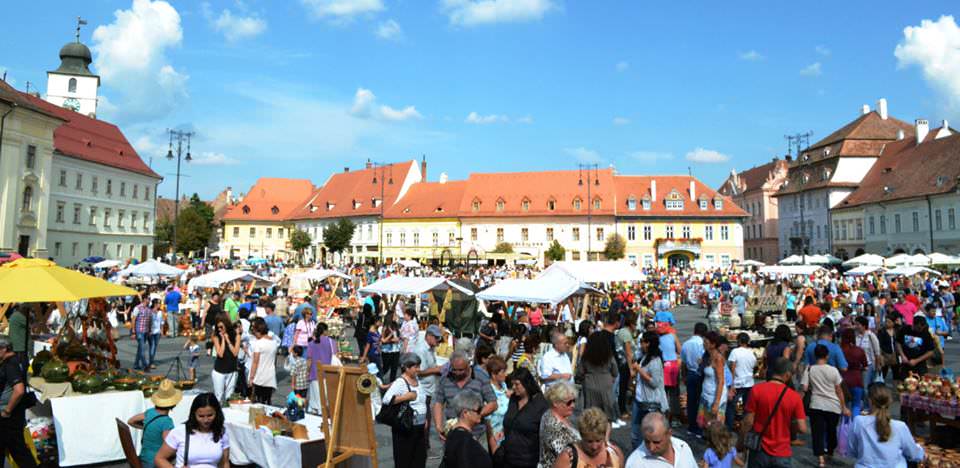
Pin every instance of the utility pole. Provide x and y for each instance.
(180, 136)
(596, 174)
(797, 142)
(386, 177)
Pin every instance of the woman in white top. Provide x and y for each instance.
(263, 372)
(826, 403)
(208, 446)
(156, 328)
(409, 447)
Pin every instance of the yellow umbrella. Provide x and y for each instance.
(36, 280)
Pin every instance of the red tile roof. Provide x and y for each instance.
(869, 126)
(271, 199)
(352, 193)
(754, 178)
(639, 188)
(429, 200)
(907, 170)
(84, 137)
(537, 190)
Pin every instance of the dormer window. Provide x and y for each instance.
(825, 175)
(275, 210)
(596, 203)
(645, 202)
(632, 204)
(246, 209)
(330, 206)
(718, 203)
(439, 209)
(500, 204)
(356, 204)
(703, 203)
(475, 206)
(674, 200)
(525, 204)
(313, 208)
(551, 204)
(576, 203)
(406, 210)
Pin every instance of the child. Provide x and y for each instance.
(299, 373)
(720, 451)
(194, 349)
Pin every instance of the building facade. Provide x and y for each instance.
(753, 190)
(259, 225)
(423, 225)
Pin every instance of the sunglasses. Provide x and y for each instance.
(570, 402)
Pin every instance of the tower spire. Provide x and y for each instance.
(80, 22)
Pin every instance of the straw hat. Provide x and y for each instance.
(166, 396)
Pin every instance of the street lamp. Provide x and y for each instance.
(595, 168)
(180, 136)
(386, 177)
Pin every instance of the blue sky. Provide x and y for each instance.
(303, 88)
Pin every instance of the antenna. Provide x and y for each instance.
(689, 171)
(797, 142)
(80, 22)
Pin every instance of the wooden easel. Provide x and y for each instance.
(356, 437)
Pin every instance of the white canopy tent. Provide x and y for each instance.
(908, 260)
(752, 263)
(409, 263)
(863, 270)
(320, 274)
(792, 260)
(864, 260)
(219, 278)
(151, 268)
(107, 264)
(790, 269)
(411, 285)
(938, 258)
(911, 271)
(552, 290)
(595, 272)
(823, 260)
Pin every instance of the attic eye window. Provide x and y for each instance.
(576, 204)
(941, 180)
(717, 204)
(703, 204)
(439, 209)
(887, 189)
(246, 209)
(406, 210)
(356, 204)
(275, 210)
(330, 206)
(551, 205)
(806, 156)
(500, 204)
(313, 208)
(646, 204)
(826, 151)
(525, 205)
(475, 206)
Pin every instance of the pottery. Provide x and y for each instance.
(55, 371)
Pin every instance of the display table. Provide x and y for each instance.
(86, 430)
(47, 390)
(259, 446)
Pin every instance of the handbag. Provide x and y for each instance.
(397, 415)
(752, 439)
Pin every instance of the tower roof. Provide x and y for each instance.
(75, 59)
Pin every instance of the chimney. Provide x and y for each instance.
(900, 134)
(443, 177)
(923, 128)
(423, 168)
(865, 110)
(653, 189)
(882, 108)
(944, 131)
(369, 164)
(693, 190)
(346, 169)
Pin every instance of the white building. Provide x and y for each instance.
(72, 85)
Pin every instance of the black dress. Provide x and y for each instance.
(463, 451)
(521, 430)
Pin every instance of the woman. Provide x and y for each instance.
(409, 331)
(263, 370)
(409, 447)
(528, 360)
(521, 424)
(156, 329)
(887, 336)
(856, 365)
(650, 393)
(556, 430)
(826, 403)
(320, 351)
(496, 367)
(371, 344)
(878, 441)
(594, 449)
(209, 444)
(226, 346)
(156, 422)
(713, 396)
(670, 347)
(780, 347)
(596, 374)
(461, 450)
(391, 350)
(583, 332)
(304, 329)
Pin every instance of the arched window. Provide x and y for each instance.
(27, 198)
(72, 85)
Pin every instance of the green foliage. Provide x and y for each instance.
(503, 248)
(299, 240)
(337, 236)
(162, 237)
(556, 252)
(615, 248)
(193, 231)
(203, 209)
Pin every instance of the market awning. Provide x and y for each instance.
(107, 264)
(219, 278)
(911, 271)
(823, 260)
(552, 290)
(938, 258)
(789, 269)
(864, 270)
(409, 263)
(319, 274)
(36, 280)
(596, 272)
(752, 263)
(411, 285)
(908, 260)
(151, 268)
(865, 260)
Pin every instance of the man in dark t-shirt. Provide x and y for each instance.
(915, 346)
(12, 412)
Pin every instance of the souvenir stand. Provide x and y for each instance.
(330, 308)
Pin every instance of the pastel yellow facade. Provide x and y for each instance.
(420, 239)
(268, 239)
(682, 242)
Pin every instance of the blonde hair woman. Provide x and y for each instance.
(594, 448)
(556, 430)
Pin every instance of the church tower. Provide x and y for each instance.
(72, 85)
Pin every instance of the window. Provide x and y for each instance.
(724, 260)
(916, 221)
(253, 232)
(146, 193)
(93, 216)
(724, 232)
(896, 223)
(403, 237)
(73, 248)
(836, 230)
(703, 203)
(31, 157)
(600, 234)
(133, 220)
(76, 213)
(475, 206)
(674, 204)
(473, 234)
(388, 238)
(576, 204)
(551, 204)
(576, 233)
(63, 178)
(843, 230)
(647, 260)
(883, 224)
(524, 234)
(136, 190)
(500, 204)
(416, 237)
(938, 220)
(56, 249)
(94, 185)
(106, 217)
(269, 234)
(236, 232)
(89, 248)
(60, 206)
(27, 198)
(79, 185)
(631, 233)
(596, 203)
(575, 255)
(72, 85)
(550, 234)
(718, 203)
(710, 259)
(669, 232)
(499, 234)
(123, 189)
(525, 205)
(120, 215)
(146, 220)
(871, 226)
(451, 238)
(708, 232)
(119, 247)
(647, 232)
(436, 238)
(859, 229)
(951, 219)
(686, 232)
(109, 187)
(280, 233)
(632, 204)
(646, 204)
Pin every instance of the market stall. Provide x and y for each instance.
(864, 270)
(552, 290)
(260, 447)
(864, 260)
(150, 269)
(221, 278)
(790, 269)
(911, 271)
(411, 285)
(596, 272)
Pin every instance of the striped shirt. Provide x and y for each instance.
(144, 318)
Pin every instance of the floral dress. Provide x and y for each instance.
(496, 418)
(555, 436)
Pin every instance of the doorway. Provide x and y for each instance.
(23, 248)
(678, 261)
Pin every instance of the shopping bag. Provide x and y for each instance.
(843, 436)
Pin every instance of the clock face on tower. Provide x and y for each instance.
(72, 104)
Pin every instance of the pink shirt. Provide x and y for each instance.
(907, 310)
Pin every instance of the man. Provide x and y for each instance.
(742, 363)
(661, 309)
(248, 310)
(825, 337)
(172, 301)
(740, 304)
(232, 306)
(460, 379)
(775, 450)
(907, 309)
(625, 338)
(810, 313)
(691, 354)
(425, 349)
(142, 325)
(555, 365)
(791, 305)
(274, 323)
(660, 448)
(936, 322)
(867, 341)
(12, 413)
(915, 347)
(20, 335)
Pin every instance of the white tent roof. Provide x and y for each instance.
(410, 285)
(864, 270)
(151, 268)
(752, 263)
(596, 272)
(938, 258)
(551, 289)
(792, 260)
(107, 264)
(823, 260)
(908, 260)
(789, 269)
(409, 263)
(220, 277)
(865, 260)
(319, 274)
(911, 271)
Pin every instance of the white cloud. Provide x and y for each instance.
(208, 158)
(525, 120)
(751, 56)
(622, 66)
(475, 118)
(700, 155)
(822, 50)
(365, 106)
(235, 28)
(934, 46)
(811, 70)
(342, 10)
(650, 157)
(582, 154)
(389, 30)
(479, 12)
(131, 60)
(621, 121)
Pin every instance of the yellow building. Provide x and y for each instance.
(258, 225)
(423, 225)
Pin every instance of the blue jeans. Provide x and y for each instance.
(143, 350)
(741, 396)
(694, 383)
(636, 433)
(856, 400)
(154, 341)
(760, 459)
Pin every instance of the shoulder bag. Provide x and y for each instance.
(186, 446)
(397, 415)
(752, 439)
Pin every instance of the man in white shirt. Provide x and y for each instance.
(742, 363)
(555, 365)
(660, 449)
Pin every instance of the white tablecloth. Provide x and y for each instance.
(86, 430)
(260, 446)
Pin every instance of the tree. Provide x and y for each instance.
(299, 240)
(202, 208)
(162, 237)
(556, 252)
(615, 248)
(193, 231)
(337, 236)
(503, 248)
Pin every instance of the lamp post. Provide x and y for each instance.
(596, 181)
(386, 177)
(180, 136)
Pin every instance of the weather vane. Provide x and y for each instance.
(80, 22)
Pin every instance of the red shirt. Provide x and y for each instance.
(776, 439)
(811, 315)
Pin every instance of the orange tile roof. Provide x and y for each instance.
(429, 200)
(869, 126)
(271, 199)
(352, 193)
(639, 188)
(537, 190)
